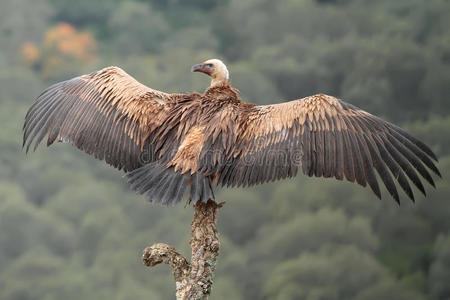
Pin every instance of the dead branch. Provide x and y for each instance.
(193, 280)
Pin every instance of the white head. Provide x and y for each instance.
(215, 69)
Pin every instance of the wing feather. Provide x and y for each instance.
(330, 138)
(394, 167)
(106, 113)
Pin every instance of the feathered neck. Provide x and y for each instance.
(218, 81)
(222, 91)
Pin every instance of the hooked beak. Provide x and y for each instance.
(197, 68)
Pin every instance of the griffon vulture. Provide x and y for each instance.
(168, 142)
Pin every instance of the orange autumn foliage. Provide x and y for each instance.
(30, 53)
(62, 48)
(67, 41)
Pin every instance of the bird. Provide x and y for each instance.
(172, 146)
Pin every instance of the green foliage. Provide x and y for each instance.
(336, 273)
(137, 28)
(71, 229)
(21, 22)
(388, 290)
(84, 12)
(440, 269)
(309, 231)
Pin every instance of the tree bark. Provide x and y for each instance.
(193, 280)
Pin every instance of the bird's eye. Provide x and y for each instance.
(209, 66)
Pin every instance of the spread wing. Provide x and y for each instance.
(328, 138)
(106, 113)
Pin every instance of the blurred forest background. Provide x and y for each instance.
(71, 229)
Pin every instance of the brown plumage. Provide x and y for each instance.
(167, 142)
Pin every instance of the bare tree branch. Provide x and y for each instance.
(193, 280)
(163, 253)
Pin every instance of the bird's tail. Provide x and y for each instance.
(165, 186)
